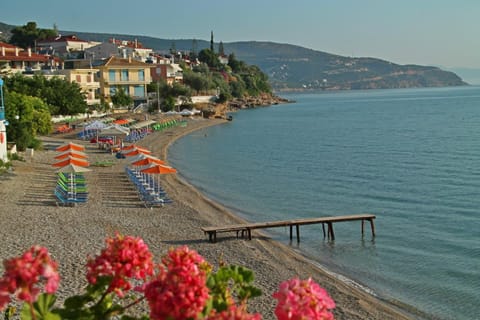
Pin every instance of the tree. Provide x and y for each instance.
(61, 96)
(27, 35)
(236, 65)
(27, 117)
(121, 98)
(211, 42)
(193, 52)
(221, 50)
(209, 57)
(196, 81)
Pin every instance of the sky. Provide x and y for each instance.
(441, 33)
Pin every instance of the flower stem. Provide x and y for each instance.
(32, 312)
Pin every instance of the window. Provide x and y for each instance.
(139, 91)
(113, 90)
(78, 78)
(141, 75)
(111, 75)
(124, 75)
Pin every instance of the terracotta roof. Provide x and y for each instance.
(7, 45)
(114, 61)
(23, 56)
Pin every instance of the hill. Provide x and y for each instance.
(291, 67)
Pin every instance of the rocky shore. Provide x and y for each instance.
(31, 216)
(253, 102)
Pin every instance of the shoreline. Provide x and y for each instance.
(30, 216)
(398, 310)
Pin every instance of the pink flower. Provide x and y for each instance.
(124, 258)
(23, 274)
(234, 313)
(303, 299)
(179, 291)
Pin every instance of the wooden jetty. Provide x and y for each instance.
(246, 228)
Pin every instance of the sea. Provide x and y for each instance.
(409, 156)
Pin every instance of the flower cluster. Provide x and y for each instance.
(23, 276)
(180, 290)
(124, 258)
(185, 287)
(303, 299)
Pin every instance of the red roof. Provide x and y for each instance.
(7, 45)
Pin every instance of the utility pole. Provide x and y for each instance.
(3, 127)
(158, 88)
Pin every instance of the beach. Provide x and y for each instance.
(30, 216)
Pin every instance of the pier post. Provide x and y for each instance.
(330, 230)
(298, 233)
(372, 226)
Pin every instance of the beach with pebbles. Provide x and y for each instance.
(29, 215)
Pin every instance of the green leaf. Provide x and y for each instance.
(41, 308)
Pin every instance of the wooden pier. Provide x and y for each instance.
(246, 228)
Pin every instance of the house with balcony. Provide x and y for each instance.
(170, 73)
(131, 75)
(14, 59)
(134, 49)
(87, 79)
(63, 46)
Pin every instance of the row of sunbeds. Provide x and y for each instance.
(71, 189)
(150, 192)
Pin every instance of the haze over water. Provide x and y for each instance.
(412, 157)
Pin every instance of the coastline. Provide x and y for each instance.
(71, 233)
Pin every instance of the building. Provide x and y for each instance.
(103, 50)
(15, 59)
(87, 79)
(129, 74)
(132, 49)
(63, 46)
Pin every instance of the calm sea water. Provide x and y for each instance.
(412, 157)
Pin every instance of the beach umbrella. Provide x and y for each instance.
(70, 160)
(73, 154)
(159, 169)
(70, 146)
(148, 161)
(130, 147)
(136, 152)
(72, 169)
(134, 147)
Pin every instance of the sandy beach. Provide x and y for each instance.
(30, 216)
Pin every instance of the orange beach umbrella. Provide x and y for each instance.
(71, 153)
(159, 169)
(71, 160)
(132, 146)
(148, 160)
(136, 152)
(142, 150)
(70, 146)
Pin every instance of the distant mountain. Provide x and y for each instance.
(294, 67)
(291, 67)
